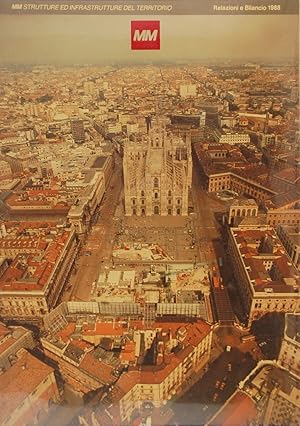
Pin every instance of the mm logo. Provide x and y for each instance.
(145, 35)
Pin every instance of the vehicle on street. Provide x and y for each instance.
(247, 338)
(222, 386)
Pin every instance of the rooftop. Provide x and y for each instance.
(244, 202)
(102, 347)
(293, 233)
(17, 383)
(35, 249)
(9, 335)
(269, 378)
(268, 265)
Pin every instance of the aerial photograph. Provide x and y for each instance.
(149, 219)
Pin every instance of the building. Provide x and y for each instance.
(231, 137)
(161, 382)
(290, 238)
(267, 139)
(127, 362)
(228, 119)
(269, 395)
(89, 88)
(224, 167)
(20, 162)
(240, 209)
(294, 94)
(267, 280)
(283, 406)
(77, 129)
(35, 200)
(240, 184)
(282, 209)
(5, 170)
(290, 346)
(12, 339)
(41, 257)
(112, 127)
(83, 211)
(27, 391)
(167, 290)
(188, 90)
(193, 120)
(157, 174)
(236, 169)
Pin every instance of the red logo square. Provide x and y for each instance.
(145, 35)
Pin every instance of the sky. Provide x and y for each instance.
(96, 39)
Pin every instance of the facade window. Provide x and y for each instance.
(178, 201)
(169, 193)
(133, 201)
(156, 210)
(178, 211)
(156, 195)
(155, 182)
(169, 211)
(142, 193)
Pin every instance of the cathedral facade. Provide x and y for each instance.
(157, 174)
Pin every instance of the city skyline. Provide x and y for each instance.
(66, 40)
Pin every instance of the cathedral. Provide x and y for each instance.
(157, 174)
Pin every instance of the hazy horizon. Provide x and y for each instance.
(69, 40)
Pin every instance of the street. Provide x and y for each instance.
(97, 247)
(204, 222)
(205, 398)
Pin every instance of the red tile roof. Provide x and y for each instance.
(37, 258)
(19, 381)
